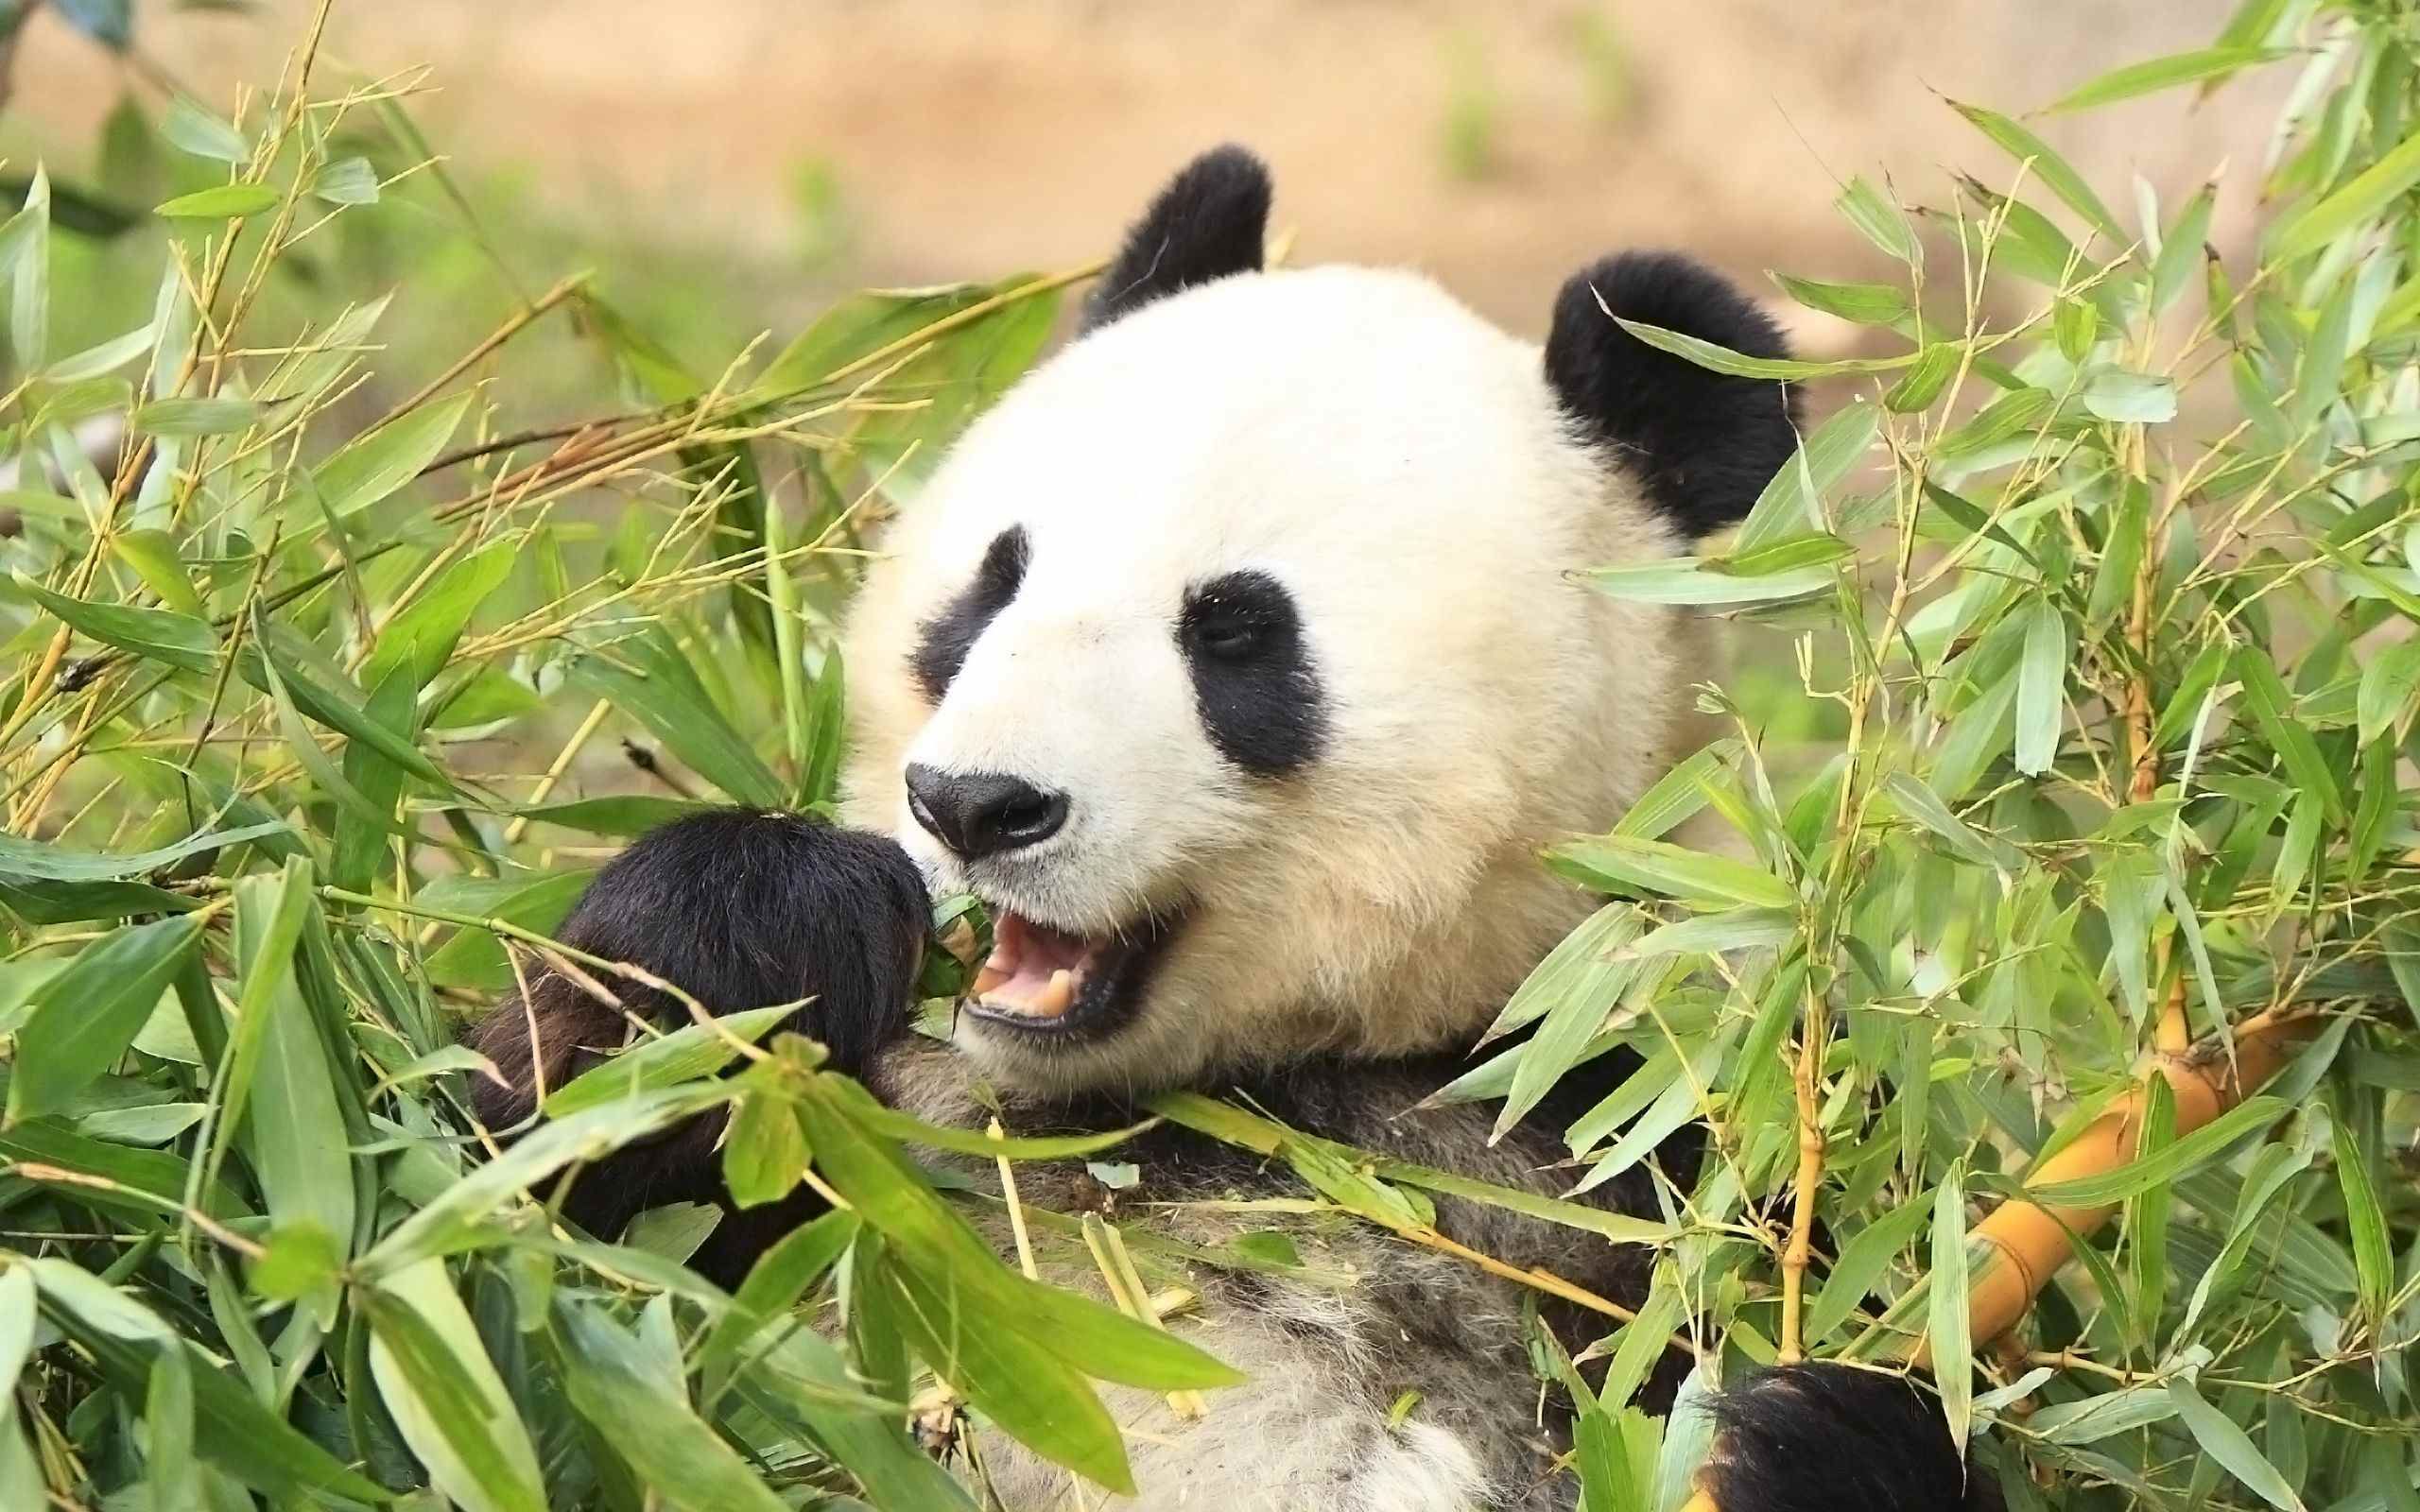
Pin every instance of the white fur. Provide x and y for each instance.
(1402, 467)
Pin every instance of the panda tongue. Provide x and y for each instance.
(1032, 970)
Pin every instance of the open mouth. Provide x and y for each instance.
(1046, 981)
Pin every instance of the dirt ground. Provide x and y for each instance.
(1498, 146)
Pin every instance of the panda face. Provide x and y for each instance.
(1232, 659)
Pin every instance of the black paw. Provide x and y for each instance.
(1834, 1438)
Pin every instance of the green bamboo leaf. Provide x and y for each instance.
(1572, 991)
(1878, 220)
(1947, 1327)
(1688, 581)
(1033, 1396)
(2136, 398)
(1681, 1101)
(373, 466)
(2272, 1167)
(1924, 382)
(2390, 681)
(663, 694)
(2093, 1419)
(2010, 415)
(362, 834)
(153, 555)
(187, 125)
(2166, 1163)
(178, 640)
(624, 815)
(892, 1124)
(279, 1079)
(2272, 710)
(84, 1017)
(2211, 64)
(2047, 165)
(683, 1055)
(2321, 223)
(2365, 1219)
(1858, 1269)
(618, 1387)
(95, 361)
(229, 201)
(1791, 505)
(772, 1288)
(1862, 304)
(435, 1379)
(1656, 867)
(2041, 688)
(1723, 359)
(346, 182)
(2231, 1447)
(264, 665)
(895, 1200)
(212, 416)
(25, 250)
(858, 326)
(1734, 929)
(127, 1343)
(1678, 793)
(764, 1151)
(825, 735)
(2183, 251)
(475, 958)
(423, 634)
(453, 1218)
(1920, 803)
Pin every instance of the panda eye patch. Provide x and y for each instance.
(1260, 696)
(944, 639)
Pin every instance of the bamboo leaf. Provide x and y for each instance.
(2041, 688)
(2231, 1447)
(84, 1017)
(233, 201)
(159, 635)
(613, 1384)
(2166, 1163)
(445, 1395)
(1620, 861)
(2045, 164)
(371, 466)
(2207, 64)
(2321, 222)
(1946, 1325)
(684, 1054)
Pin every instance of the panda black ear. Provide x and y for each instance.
(1702, 444)
(1210, 221)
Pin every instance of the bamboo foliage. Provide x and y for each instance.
(2069, 909)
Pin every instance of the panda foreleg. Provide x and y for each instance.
(1835, 1437)
(740, 908)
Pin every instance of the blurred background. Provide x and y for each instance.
(727, 165)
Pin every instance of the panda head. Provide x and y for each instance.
(1233, 659)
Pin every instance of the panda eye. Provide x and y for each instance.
(1227, 638)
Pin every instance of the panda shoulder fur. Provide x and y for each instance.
(1235, 660)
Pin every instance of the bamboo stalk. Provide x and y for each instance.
(2031, 1241)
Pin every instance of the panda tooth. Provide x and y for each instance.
(1056, 998)
(991, 976)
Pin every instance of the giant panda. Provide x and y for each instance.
(1235, 661)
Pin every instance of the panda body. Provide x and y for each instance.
(1238, 660)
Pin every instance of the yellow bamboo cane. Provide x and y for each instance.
(2031, 1241)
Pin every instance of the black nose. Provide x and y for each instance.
(982, 814)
